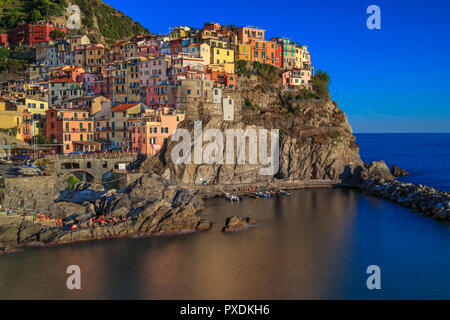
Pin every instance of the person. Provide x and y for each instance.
(73, 227)
(90, 223)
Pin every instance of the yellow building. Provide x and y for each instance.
(244, 52)
(179, 32)
(301, 56)
(11, 117)
(222, 55)
(125, 79)
(37, 109)
(95, 58)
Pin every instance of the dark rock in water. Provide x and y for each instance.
(398, 172)
(234, 224)
(376, 170)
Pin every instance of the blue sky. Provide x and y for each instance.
(391, 80)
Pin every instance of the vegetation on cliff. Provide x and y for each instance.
(102, 22)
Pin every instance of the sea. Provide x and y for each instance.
(313, 244)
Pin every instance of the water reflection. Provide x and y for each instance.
(313, 244)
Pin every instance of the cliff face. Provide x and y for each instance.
(316, 140)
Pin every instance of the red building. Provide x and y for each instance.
(4, 40)
(26, 126)
(176, 46)
(35, 32)
(278, 56)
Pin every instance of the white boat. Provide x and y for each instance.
(232, 197)
(285, 192)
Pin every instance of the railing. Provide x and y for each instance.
(99, 155)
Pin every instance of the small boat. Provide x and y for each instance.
(286, 193)
(262, 195)
(232, 197)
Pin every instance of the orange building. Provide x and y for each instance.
(223, 79)
(246, 34)
(149, 134)
(264, 52)
(71, 129)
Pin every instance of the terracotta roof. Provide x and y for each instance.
(63, 80)
(124, 106)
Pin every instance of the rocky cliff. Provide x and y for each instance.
(316, 140)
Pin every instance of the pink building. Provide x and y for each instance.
(297, 78)
(160, 95)
(149, 47)
(88, 80)
(149, 134)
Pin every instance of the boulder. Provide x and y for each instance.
(398, 172)
(234, 223)
(376, 170)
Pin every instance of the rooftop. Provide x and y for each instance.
(124, 106)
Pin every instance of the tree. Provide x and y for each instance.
(323, 77)
(320, 82)
(35, 15)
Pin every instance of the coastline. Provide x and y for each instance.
(426, 200)
(212, 191)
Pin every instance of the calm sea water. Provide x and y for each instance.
(425, 156)
(315, 244)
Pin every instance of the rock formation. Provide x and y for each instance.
(426, 200)
(398, 172)
(235, 224)
(150, 206)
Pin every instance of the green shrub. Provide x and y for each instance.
(72, 181)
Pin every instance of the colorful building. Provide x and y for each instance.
(71, 130)
(297, 79)
(95, 58)
(248, 33)
(244, 52)
(63, 89)
(120, 114)
(35, 32)
(149, 133)
(36, 109)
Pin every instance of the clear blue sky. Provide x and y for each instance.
(391, 80)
